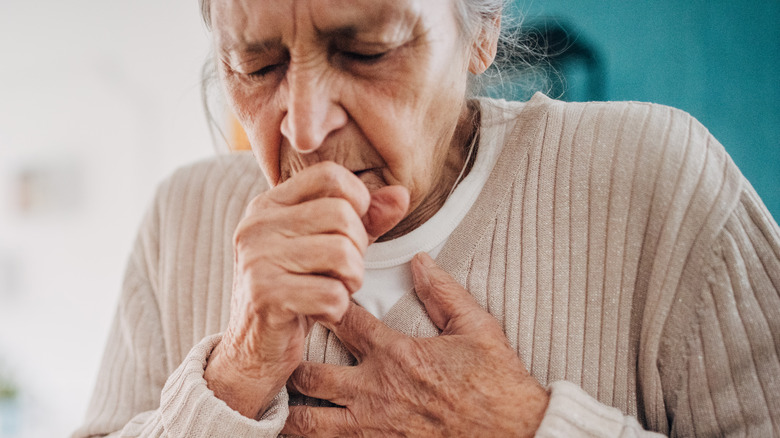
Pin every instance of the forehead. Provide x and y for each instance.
(238, 23)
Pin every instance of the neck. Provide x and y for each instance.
(456, 166)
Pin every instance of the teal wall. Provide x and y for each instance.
(718, 60)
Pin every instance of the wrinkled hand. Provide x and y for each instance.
(466, 382)
(298, 257)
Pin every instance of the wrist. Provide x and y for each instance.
(535, 401)
(247, 390)
(523, 414)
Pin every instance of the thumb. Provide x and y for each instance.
(447, 302)
(388, 206)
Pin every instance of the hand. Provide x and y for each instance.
(466, 382)
(298, 258)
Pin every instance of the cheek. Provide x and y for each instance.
(412, 138)
(260, 117)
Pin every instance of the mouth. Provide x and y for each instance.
(367, 171)
(371, 177)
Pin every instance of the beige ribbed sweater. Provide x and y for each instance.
(631, 265)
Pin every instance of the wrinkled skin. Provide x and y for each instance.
(356, 114)
(466, 382)
(377, 86)
(299, 256)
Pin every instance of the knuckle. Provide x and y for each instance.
(303, 379)
(350, 263)
(486, 335)
(257, 204)
(331, 175)
(331, 166)
(487, 345)
(330, 301)
(405, 352)
(440, 282)
(255, 270)
(303, 420)
(355, 282)
(343, 249)
(250, 229)
(332, 291)
(343, 212)
(240, 233)
(340, 307)
(336, 303)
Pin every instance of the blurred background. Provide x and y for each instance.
(100, 100)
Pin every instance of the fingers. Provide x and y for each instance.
(321, 216)
(444, 298)
(320, 297)
(316, 190)
(388, 206)
(320, 422)
(324, 381)
(325, 254)
(361, 332)
(323, 236)
(323, 180)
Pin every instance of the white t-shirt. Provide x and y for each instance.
(388, 274)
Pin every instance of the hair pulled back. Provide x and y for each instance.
(474, 18)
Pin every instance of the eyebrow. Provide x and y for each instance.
(347, 31)
(263, 46)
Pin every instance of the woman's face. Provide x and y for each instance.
(374, 85)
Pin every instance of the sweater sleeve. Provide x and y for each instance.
(142, 392)
(573, 413)
(719, 365)
(729, 382)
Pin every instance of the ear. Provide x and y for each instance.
(484, 49)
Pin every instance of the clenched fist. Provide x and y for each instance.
(298, 257)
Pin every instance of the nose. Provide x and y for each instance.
(313, 109)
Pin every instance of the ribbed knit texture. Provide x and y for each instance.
(630, 264)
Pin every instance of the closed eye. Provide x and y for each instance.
(266, 70)
(366, 58)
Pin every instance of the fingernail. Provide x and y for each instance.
(420, 278)
(426, 259)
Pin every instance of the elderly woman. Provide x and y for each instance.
(601, 269)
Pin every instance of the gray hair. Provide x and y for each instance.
(471, 13)
(518, 67)
(475, 17)
(514, 73)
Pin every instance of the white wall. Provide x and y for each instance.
(99, 100)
